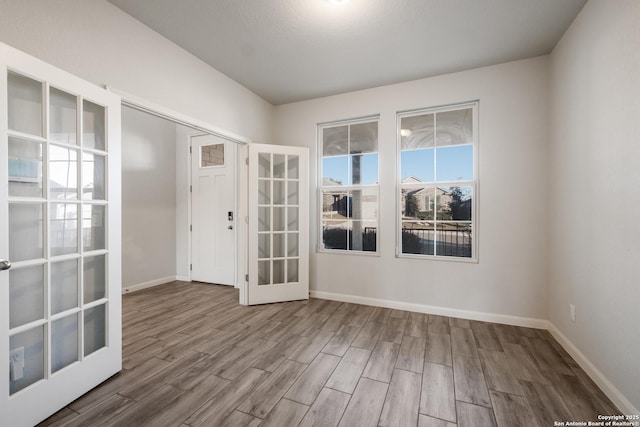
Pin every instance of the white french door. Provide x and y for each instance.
(213, 210)
(278, 224)
(60, 306)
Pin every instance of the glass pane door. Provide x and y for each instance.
(57, 286)
(278, 224)
(62, 293)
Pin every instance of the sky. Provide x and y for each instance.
(455, 163)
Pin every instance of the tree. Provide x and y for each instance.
(411, 208)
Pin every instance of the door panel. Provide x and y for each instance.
(213, 213)
(278, 224)
(60, 227)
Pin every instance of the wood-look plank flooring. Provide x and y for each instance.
(193, 357)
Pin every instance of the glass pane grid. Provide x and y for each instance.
(52, 161)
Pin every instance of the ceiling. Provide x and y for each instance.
(292, 50)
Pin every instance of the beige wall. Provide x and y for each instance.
(511, 276)
(595, 191)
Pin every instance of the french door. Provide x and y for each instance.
(278, 224)
(60, 307)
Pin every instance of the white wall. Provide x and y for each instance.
(511, 275)
(98, 42)
(148, 198)
(595, 183)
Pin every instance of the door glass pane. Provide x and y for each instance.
(62, 117)
(94, 329)
(63, 228)
(292, 219)
(25, 104)
(293, 165)
(64, 342)
(26, 231)
(212, 155)
(93, 177)
(63, 173)
(292, 270)
(26, 295)
(264, 245)
(264, 165)
(64, 285)
(264, 219)
(454, 127)
(264, 192)
(278, 219)
(292, 192)
(95, 278)
(278, 192)
(264, 272)
(278, 165)
(93, 227)
(292, 244)
(25, 168)
(93, 125)
(29, 343)
(278, 245)
(278, 271)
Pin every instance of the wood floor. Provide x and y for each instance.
(194, 357)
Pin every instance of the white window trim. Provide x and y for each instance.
(475, 106)
(319, 144)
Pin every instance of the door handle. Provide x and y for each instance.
(5, 264)
(230, 227)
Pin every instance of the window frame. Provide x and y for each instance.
(473, 183)
(320, 248)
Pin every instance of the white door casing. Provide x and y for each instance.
(278, 206)
(60, 221)
(213, 213)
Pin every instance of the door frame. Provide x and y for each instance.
(196, 127)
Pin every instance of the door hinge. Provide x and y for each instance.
(191, 189)
(246, 161)
(191, 228)
(190, 267)
(246, 277)
(190, 150)
(246, 220)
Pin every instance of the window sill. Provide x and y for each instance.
(440, 258)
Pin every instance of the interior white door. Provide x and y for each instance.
(278, 224)
(213, 210)
(60, 302)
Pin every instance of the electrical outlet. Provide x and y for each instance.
(16, 364)
(572, 312)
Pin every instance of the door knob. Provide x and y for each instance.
(5, 264)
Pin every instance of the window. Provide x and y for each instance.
(437, 151)
(349, 186)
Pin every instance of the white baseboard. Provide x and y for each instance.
(618, 399)
(183, 278)
(149, 284)
(441, 311)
